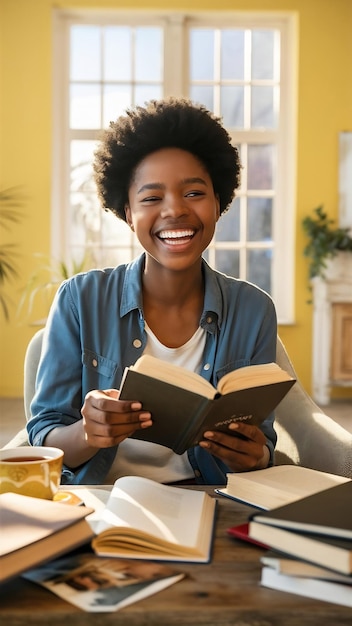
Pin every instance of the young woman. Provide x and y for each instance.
(169, 170)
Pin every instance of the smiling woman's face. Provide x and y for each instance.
(172, 207)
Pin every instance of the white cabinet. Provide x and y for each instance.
(332, 328)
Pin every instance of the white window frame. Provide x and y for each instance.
(174, 23)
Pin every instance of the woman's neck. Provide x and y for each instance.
(165, 287)
(173, 304)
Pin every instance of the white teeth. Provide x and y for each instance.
(175, 234)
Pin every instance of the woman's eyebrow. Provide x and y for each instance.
(194, 179)
(148, 186)
(185, 181)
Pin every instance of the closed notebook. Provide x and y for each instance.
(35, 530)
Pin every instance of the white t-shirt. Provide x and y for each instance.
(142, 458)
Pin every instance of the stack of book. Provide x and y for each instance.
(309, 536)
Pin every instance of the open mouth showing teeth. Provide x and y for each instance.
(176, 236)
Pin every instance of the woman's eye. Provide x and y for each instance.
(151, 199)
(194, 193)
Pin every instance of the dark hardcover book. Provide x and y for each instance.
(184, 405)
(317, 528)
(328, 512)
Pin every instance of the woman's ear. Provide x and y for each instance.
(128, 216)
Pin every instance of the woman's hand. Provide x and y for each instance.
(239, 454)
(107, 420)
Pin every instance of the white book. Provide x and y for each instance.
(275, 486)
(337, 593)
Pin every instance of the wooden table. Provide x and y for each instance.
(226, 592)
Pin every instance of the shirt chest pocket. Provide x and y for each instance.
(230, 367)
(99, 365)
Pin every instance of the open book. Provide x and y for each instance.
(147, 520)
(35, 530)
(184, 405)
(276, 486)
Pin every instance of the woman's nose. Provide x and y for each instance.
(174, 206)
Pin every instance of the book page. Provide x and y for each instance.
(159, 510)
(174, 375)
(252, 376)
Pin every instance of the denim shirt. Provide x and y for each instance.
(96, 328)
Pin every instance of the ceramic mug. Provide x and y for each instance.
(31, 471)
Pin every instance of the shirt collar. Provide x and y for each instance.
(131, 297)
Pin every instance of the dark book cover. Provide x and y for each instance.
(180, 417)
(327, 512)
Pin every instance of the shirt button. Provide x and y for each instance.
(209, 320)
(207, 367)
(137, 343)
(94, 363)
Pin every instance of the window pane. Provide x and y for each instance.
(85, 106)
(202, 54)
(228, 262)
(232, 54)
(232, 106)
(260, 167)
(259, 219)
(117, 53)
(84, 221)
(203, 95)
(263, 54)
(259, 268)
(148, 54)
(116, 99)
(114, 233)
(85, 59)
(228, 226)
(143, 93)
(262, 111)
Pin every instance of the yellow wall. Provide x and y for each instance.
(324, 109)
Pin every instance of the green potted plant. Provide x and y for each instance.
(44, 282)
(325, 241)
(10, 200)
